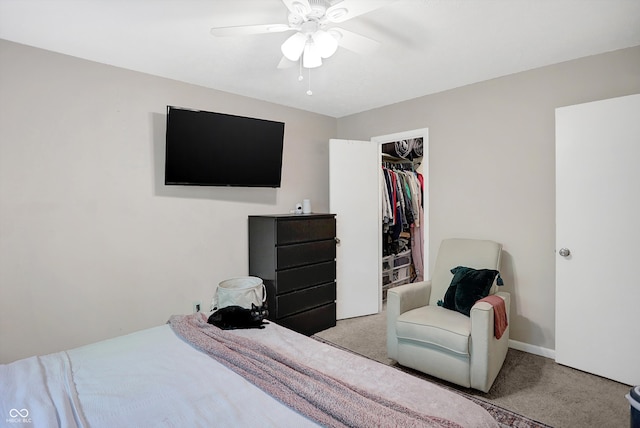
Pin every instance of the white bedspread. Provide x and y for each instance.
(152, 379)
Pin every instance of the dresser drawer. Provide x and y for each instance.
(305, 276)
(293, 230)
(301, 300)
(289, 256)
(311, 321)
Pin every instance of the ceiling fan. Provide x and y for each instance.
(315, 37)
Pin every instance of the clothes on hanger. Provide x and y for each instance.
(401, 205)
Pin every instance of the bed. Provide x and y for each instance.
(170, 375)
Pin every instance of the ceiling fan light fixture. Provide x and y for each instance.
(335, 34)
(293, 47)
(311, 57)
(325, 43)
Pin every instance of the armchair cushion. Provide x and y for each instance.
(467, 287)
(435, 326)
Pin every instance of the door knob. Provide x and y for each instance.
(564, 252)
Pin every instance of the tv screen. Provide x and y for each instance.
(214, 149)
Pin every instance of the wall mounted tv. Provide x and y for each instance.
(214, 149)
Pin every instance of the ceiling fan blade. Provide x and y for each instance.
(298, 7)
(353, 8)
(355, 42)
(244, 30)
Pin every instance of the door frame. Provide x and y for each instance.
(398, 136)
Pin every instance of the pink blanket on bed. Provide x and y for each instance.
(500, 322)
(321, 398)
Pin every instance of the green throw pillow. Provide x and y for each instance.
(467, 287)
(449, 301)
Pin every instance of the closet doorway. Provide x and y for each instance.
(355, 177)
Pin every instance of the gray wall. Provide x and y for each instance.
(92, 244)
(492, 167)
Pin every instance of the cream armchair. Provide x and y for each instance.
(441, 342)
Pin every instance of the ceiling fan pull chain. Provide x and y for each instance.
(300, 76)
(309, 90)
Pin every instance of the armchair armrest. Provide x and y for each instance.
(487, 353)
(409, 296)
(483, 309)
(399, 300)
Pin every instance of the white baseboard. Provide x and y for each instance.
(533, 349)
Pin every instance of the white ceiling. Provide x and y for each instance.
(427, 45)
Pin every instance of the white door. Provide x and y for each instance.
(354, 168)
(598, 222)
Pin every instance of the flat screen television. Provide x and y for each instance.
(214, 149)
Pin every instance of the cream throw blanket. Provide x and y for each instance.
(321, 398)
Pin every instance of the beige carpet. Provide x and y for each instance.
(533, 386)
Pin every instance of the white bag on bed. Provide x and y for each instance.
(239, 292)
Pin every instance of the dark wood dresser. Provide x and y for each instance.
(295, 254)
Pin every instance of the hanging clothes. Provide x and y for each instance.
(401, 202)
(417, 235)
(387, 211)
